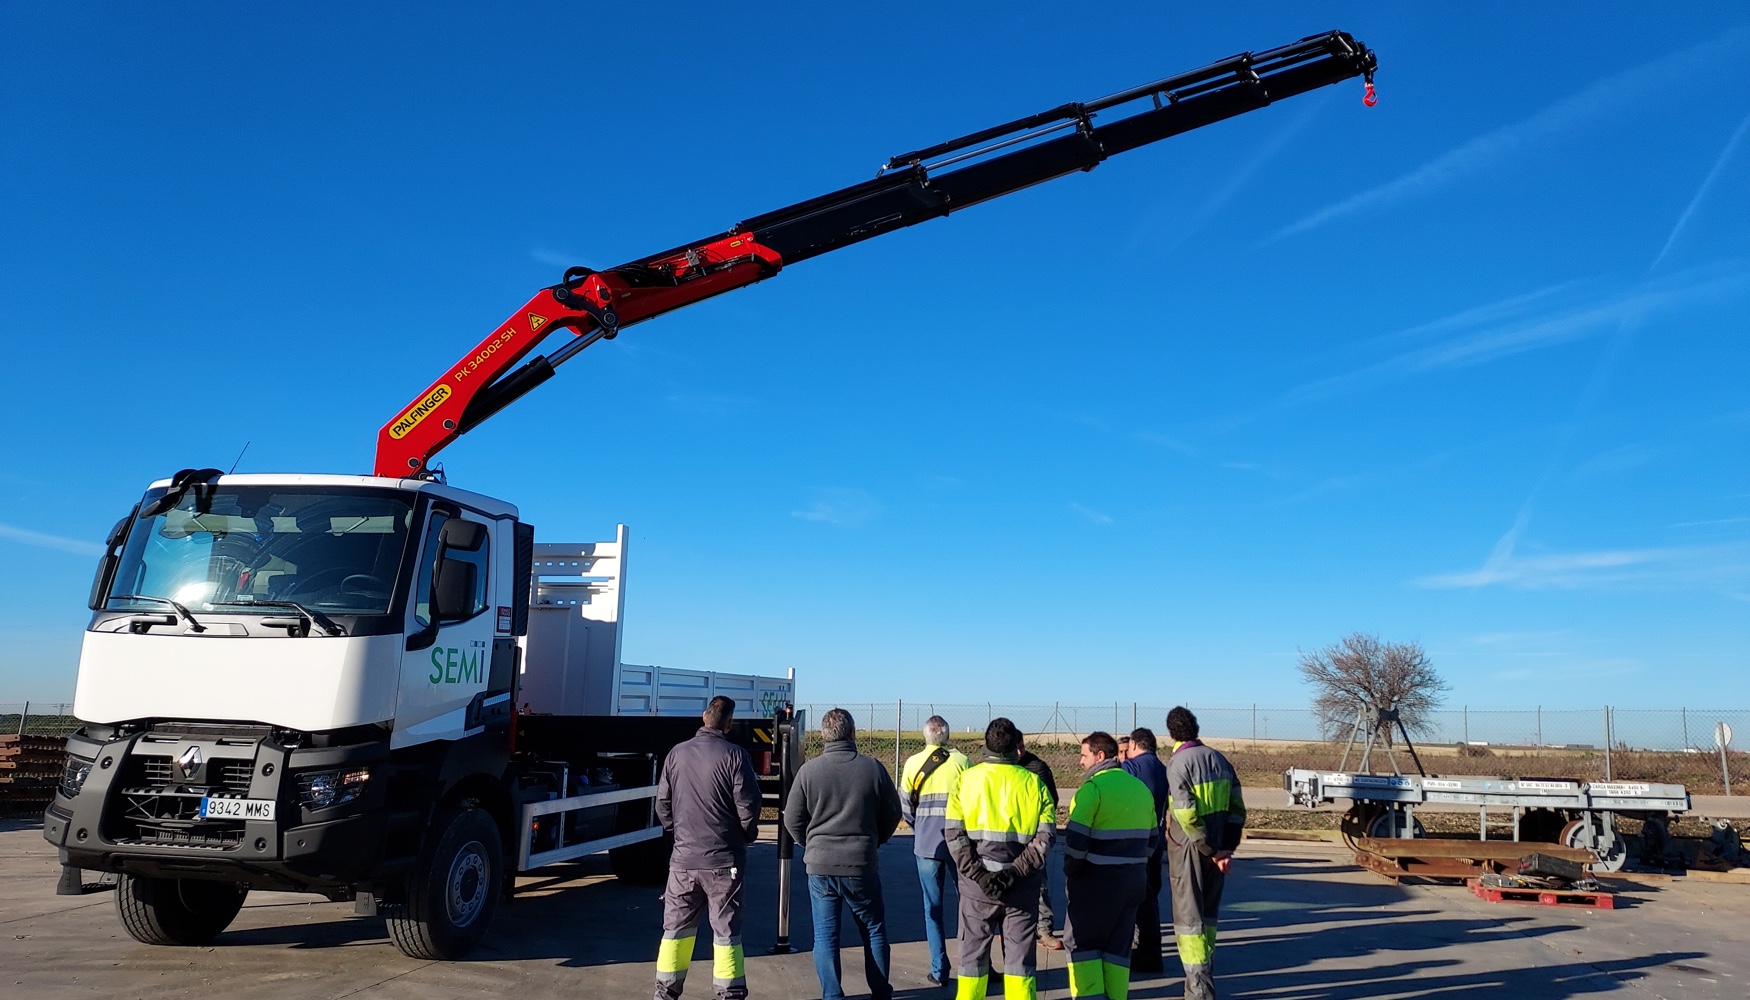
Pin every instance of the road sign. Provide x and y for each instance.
(1723, 735)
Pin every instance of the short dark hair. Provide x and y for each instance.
(719, 711)
(1001, 736)
(836, 726)
(1144, 738)
(1181, 724)
(1100, 742)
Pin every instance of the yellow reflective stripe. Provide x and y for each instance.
(675, 954)
(1212, 796)
(971, 987)
(1187, 818)
(727, 962)
(1020, 988)
(1086, 979)
(1196, 949)
(1117, 980)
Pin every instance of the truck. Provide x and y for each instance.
(381, 688)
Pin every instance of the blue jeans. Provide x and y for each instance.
(863, 896)
(933, 875)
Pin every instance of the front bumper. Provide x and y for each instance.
(137, 811)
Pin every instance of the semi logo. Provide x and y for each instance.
(422, 409)
(450, 665)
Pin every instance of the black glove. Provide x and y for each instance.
(1025, 865)
(1074, 866)
(993, 884)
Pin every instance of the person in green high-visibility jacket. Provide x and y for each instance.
(1106, 848)
(1207, 816)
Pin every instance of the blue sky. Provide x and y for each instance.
(1468, 367)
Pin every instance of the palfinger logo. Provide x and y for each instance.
(419, 411)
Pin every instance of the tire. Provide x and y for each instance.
(643, 863)
(176, 911)
(454, 890)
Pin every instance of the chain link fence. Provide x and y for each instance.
(45, 718)
(1604, 743)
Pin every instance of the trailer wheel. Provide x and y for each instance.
(643, 863)
(454, 890)
(176, 911)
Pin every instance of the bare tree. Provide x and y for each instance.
(1363, 674)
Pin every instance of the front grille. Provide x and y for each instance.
(155, 769)
(157, 807)
(235, 775)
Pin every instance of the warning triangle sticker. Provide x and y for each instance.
(536, 322)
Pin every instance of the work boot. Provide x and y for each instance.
(1051, 942)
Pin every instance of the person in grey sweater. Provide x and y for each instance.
(842, 807)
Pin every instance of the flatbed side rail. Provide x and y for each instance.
(529, 861)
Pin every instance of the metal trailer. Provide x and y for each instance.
(1570, 819)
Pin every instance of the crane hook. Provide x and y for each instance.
(1369, 98)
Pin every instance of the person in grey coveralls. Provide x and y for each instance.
(709, 800)
(842, 807)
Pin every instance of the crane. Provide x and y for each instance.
(910, 188)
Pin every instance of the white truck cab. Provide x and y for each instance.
(331, 684)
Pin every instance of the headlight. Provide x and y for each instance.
(74, 774)
(324, 789)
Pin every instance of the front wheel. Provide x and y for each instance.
(454, 891)
(176, 911)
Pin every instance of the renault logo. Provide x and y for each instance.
(189, 762)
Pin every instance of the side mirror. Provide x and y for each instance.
(464, 535)
(452, 590)
(112, 558)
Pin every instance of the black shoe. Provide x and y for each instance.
(932, 980)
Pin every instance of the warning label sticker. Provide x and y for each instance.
(536, 322)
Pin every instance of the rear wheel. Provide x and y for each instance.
(176, 911)
(454, 891)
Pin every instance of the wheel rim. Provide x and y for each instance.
(466, 887)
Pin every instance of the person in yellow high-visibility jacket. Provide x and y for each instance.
(1106, 848)
(999, 828)
(1207, 816)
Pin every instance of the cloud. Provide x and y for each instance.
(1701, 192)
(1606, 98)
(1513, 326)
(1683, 567)
(1617, 460)
(1091, 514)
(555, 258)
(24, 536)
(846, 508)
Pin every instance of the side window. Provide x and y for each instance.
(460, 576)
(432, 549)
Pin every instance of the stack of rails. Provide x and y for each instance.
(30, 768)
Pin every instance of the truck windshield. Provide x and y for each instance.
(331, 550)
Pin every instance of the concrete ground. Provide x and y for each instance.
(1300, 923)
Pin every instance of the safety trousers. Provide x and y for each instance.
(689, 894)
(1016, 918)
(1100, 920)
(1196, 892)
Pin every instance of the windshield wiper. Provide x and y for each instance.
(327, 625)
(184, 612)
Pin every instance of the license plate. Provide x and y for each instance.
(236, 809)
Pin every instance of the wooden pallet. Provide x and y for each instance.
(1545, 897)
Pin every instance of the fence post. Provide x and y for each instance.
(898, 726)
(1607, 743)
(1540, 726)
(23, 715)
(1254, 722)
(1467, 723)
(1686, 729)
(1133, 716)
